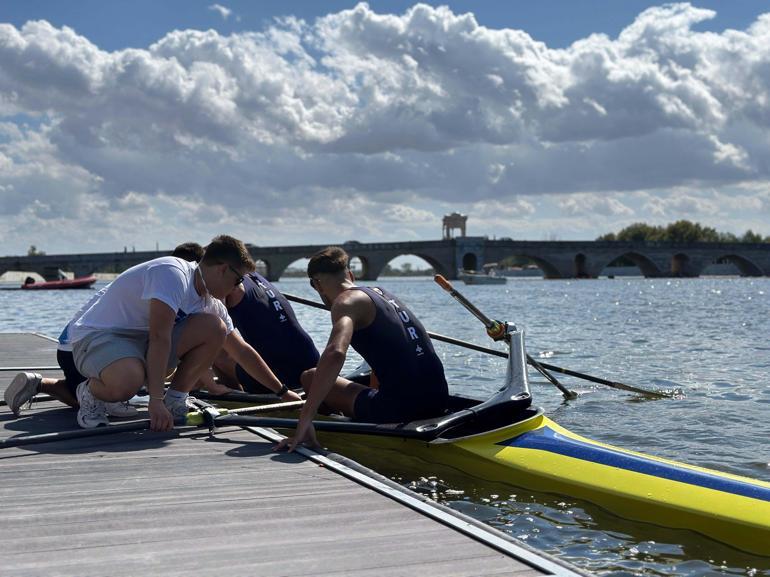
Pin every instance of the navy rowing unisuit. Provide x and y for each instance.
(267, 322)
(411, 376)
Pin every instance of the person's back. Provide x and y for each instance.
(123, 305)
(267, 322)
(401, 355)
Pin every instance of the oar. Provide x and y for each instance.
(37, 398)
(479, 315)
(263, 408)
(563, 371)
(194, 420)
(23, 440)
(493, 328)
(236, 397)
(496, 331)
(502, 354)
(29, 369)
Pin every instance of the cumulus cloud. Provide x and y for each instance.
(221, 10)
(594, 204)
(381, 112)
(682, 206)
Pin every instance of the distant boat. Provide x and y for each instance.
(67, 283)
(473, 277)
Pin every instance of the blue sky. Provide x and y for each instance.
(319, 122)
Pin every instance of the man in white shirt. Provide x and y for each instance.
(26, 385)
(155, 316)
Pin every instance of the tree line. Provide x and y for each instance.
(681, 231)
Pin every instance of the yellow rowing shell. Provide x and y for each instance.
(539, 454)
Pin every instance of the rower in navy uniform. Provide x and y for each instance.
(388, 336)
(267, 322)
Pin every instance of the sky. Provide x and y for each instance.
(141, 124)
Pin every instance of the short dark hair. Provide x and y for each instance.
(191, 251)
(228, 250)
(331, 260)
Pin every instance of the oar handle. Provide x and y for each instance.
(495, 329)
(447, 286)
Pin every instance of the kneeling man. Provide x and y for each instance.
(156, 316)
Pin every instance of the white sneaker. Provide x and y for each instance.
(23, 387)
(120, 409)
(179, 408)
(92, 412)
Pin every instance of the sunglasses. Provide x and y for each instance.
(238, 275)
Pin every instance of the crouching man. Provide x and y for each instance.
(156, 316)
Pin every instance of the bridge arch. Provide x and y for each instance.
(470, 261)
(374, 267)
(745, 266)
(580, 266)
(263, 267)
(295, 269)
(680, 264)
(644, 263)
(366, 272)
(433, 263)
(548, 268)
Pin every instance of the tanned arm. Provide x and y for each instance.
(346, 313)
(251, 361)
(161, 324)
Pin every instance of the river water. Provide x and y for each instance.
(707, 338)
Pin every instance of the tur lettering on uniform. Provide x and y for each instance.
(404, 316)
(274, 299)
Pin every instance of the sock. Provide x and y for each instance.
(174, 394)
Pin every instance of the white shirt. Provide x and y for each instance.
(65, 342)
(125, 303)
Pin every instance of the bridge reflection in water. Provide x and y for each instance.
(557, 259)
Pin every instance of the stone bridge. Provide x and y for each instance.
(557, 259)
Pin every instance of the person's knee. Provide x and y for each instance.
(206, 328)
(306, 378)
(213, 326)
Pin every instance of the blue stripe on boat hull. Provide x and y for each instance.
(546, 439)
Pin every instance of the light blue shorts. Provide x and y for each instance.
(99, 349)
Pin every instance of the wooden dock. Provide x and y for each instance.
(187, 503)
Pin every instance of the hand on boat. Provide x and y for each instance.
(160, 418)
(305, 436)
(290, 396)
